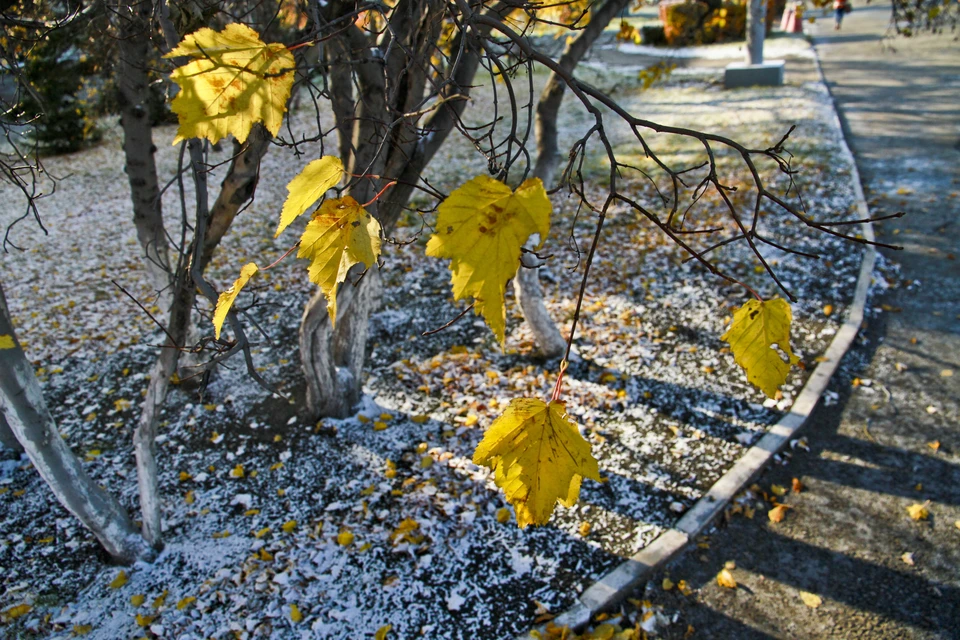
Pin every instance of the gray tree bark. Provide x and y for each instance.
(26, 414)
(526, 285)
(7, 438)
(756, 30)
(133, 20)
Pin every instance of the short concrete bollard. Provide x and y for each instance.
(767, 74)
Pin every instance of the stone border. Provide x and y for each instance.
(617, 584)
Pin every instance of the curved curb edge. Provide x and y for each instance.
(617, 584)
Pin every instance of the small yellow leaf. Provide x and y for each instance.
(82, 629)
(252, 512)
(756, 327)
(144, 621)
(420, 419)
(185, 602)
(6, 342)
(138, 599)
(585, 529)
(379, 426)
(538, 457)
(17, 611)
(184, 476)
(189, 498)
(935, 445)
(345, 538)
(907, 558)
(316, 179)
(233, 81)
(482, 227)
(227, 298)
(426, 462)
(725, 579)
(237, 471)
(812, 600)
(796, 485)
(289, 526)
(828, 310)
(778, 513)
(667, 584)
(684, 588)
(295, 615)
(503, 515)
(382, 632)
(160, 600)
(261, 532)
(119, 580)
(778, 490)
(919, 511)
(340, 235)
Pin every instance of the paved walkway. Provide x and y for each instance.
(871, 454)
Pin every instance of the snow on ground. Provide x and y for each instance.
(382, 518)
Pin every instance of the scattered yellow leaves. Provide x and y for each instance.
(726, 579)
(340, 235)
(756, 327)
(382, 632)
(538, 457)
(227, 298)
(919, 511)
(812, 600)
(6, 342)
(482, 227)
(233, 81)
(119, 580)
(309, 186)
(295, 615)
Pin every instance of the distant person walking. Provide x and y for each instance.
(840, 7)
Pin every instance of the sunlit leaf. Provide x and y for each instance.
(812, 600)
(6, 342)
(726, 579)
(309, 186)
(227, 298)
(919, 511)
(233, 81)
(295, 615)
(340, 235)
(538, 456)
(481, 228)
(756, 327)
(382, 632)
(119, 580)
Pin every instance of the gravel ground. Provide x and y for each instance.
(381, 518)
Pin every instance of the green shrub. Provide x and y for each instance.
(57, 70)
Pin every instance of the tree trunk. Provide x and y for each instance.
(7, 438)
(526, 285)
(25, 411)
(756, 30)
(134, 88)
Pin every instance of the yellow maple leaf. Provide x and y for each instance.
(227, 298)
(482, 227)
(726, 579)
(919, 511)
(233, 81)
(340, 235)
(756, 327)
(308, 187)
(538, 457)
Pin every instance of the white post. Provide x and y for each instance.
(756, 29)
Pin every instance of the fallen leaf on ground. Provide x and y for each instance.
(725, 579)
(907, 558)
(382, 632)
(778, 513)
(295, 615)
(919, 511)
(119, 581)
(797, 486)
(812, 600)
(935, 445)
(667, 584)
(778, 490)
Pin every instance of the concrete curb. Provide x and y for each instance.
(617, 584)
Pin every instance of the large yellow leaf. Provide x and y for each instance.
(233, 81)
(481, 227)
(226, 299)
(756, 327)
(308, 187)
(340, 235)
(538, 457)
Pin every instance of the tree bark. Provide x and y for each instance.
(7, 438)
(756, 30)
(25, 411)
(526, 285)
(134, 88)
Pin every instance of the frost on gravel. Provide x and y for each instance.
(382, 518)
